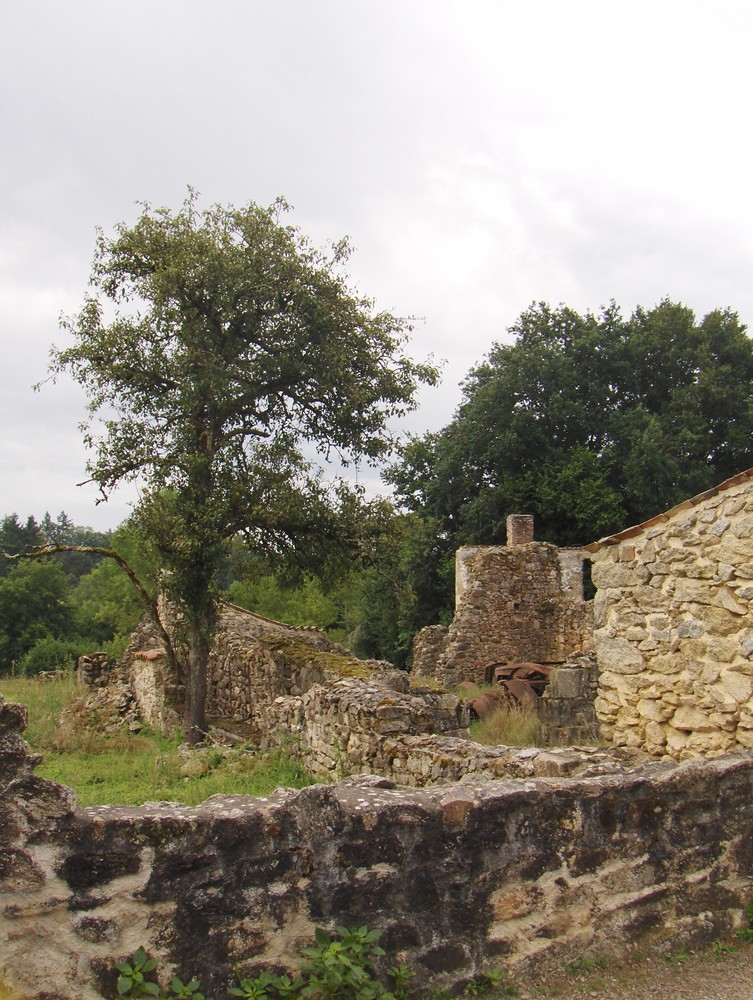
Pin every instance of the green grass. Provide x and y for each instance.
(511, 726)
(129, 769)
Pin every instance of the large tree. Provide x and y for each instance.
(220, 351)
(590, 422)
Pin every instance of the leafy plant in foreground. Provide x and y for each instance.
(335, 966)
(134, 981)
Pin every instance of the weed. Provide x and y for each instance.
(401, 976)
(721, 950)
(510, 725)
(679, 956)
(585, 965)
(493, 981)
(136, 980)
(123, 768)
(746, 933)
(333, 967)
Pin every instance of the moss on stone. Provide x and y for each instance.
(302, 653)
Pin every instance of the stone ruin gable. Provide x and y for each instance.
(512, 874)
(513, 603)
(674, 629)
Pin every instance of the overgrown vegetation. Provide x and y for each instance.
(339, 966)
(124, 768)
(512, 726)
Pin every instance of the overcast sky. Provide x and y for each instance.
(479, 154)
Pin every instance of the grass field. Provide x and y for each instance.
(128, 769)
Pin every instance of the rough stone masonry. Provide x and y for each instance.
(674, 629)
(459, 878)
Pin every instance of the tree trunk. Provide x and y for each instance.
(195, 720)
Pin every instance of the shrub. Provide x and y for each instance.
(51, 654)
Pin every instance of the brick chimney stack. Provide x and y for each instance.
(519, 529)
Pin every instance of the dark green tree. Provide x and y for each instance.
(229, 351)
(16, 537)
(65, 533)
(589, 422)
(34, 604)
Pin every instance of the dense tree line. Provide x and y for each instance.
(589, 422)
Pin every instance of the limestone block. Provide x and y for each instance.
(653, 710)
(635, 633)
(722, 649)
(691, 628)
(743, 526)
(691, 720)
(746, 646)
(736, 685)
(719, 527)
(725, 571)
(677, 740)
(692, 591)
(656, 734)
(618, 656)
(719, 621)
(710, 673)
(726, 599)
(616, 575)
(723, 721)
(667, 663)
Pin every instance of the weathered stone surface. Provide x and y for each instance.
(455, 877)
(512, 604)
(696, 614)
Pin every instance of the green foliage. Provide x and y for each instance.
(722, 950)
(746, 933)
(585, 965)
(494, 981)
(306, 604)
(107, 605)
(133, 980)
(589, 422)
(34, 604)
(64, 532)
(136, 981)
(16, 537)
(234, 345)
(335, 967)
(51, 654)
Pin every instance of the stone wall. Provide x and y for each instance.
(281, 686)
(459, 879)
(566, 708)
(512, 603)
(674, 631)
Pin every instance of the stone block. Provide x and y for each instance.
(618, 656)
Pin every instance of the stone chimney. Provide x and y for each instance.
(519, 529)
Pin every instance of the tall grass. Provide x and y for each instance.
(129, 769)
(511, 726)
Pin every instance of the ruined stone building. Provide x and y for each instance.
(660, 661)
(670, 628)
